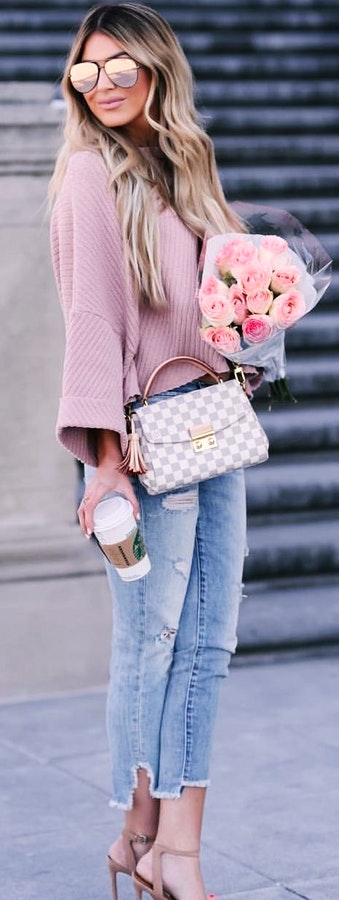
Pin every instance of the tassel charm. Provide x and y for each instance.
(133, 462)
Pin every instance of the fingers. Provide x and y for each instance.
(85, 516)
(130, 495)
(96, 491)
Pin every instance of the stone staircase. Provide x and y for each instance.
(267, 86)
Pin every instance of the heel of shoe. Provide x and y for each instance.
(113, 874)
(129, 839)
(138, 888)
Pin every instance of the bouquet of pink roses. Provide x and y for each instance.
(254, 287)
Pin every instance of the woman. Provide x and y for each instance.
(137, 189)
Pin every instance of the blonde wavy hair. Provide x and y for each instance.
(189, 181)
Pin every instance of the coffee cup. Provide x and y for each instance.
(119, 538)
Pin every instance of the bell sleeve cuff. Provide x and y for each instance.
(92, 396)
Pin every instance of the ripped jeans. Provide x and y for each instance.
(174, 632)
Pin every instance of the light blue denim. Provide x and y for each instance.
(174, 632)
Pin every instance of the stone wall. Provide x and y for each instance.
(37, 476)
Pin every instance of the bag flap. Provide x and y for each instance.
(169, 421)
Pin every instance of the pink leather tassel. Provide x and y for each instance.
(133, 461)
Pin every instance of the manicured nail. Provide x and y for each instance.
(138, 517)
(88, 534)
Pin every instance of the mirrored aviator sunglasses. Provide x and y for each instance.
(122, 72)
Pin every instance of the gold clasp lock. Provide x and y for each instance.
(203, 437)
(239, 376)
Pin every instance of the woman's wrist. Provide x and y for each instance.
(108, 448)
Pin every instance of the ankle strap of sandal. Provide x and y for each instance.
(135, 838)
(130, 838)
(159, 849)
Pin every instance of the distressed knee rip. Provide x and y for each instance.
(180, 502)
(166, 636)
(181, 566)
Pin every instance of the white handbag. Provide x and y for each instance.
(195, 436)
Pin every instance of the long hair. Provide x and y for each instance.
(189, 181)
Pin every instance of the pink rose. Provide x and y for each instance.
(216, 309)
(238, 299)
(259, 301)
(234, 255)
(255, 277)
(213, 285)
(224, 339)
(284, 278)
(273, 250)
(256, 329)
(274, 244)
(288, 308)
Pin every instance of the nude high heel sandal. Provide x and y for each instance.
(129, 839)
(156, 889)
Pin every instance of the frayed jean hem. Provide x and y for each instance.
(155, 794)
(176, 794)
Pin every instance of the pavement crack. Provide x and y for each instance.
(80, 778)
(296, 893)
(22, 751)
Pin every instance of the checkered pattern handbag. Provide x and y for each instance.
(194, 436)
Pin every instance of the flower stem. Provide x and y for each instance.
(279, 391)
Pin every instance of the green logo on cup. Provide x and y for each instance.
(138, 547)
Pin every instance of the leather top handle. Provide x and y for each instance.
(175, 359)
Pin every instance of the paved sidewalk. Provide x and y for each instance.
(272, 818)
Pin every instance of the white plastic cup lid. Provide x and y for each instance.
(112, 512)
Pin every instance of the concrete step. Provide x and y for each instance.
(298, 179)
(305, 6)
(264, 148)
(51, 18)
(317, 213)
(331, 297)
(295, 548)
(261, 181)
(43, 552)
(276, 616)
(329, 240)
(291, 484)
(317, 330)
(248, 66)
(302, 427)
(282, 91)
(278, 118)
(259, 42)
(19, 94)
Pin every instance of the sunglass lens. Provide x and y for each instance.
(123, 72)
(84, 76)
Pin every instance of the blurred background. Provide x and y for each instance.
(267, 81)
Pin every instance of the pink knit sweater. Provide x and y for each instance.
(112, 345)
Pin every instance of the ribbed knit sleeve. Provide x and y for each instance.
(87, 258)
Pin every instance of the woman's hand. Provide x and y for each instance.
(106, 480)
